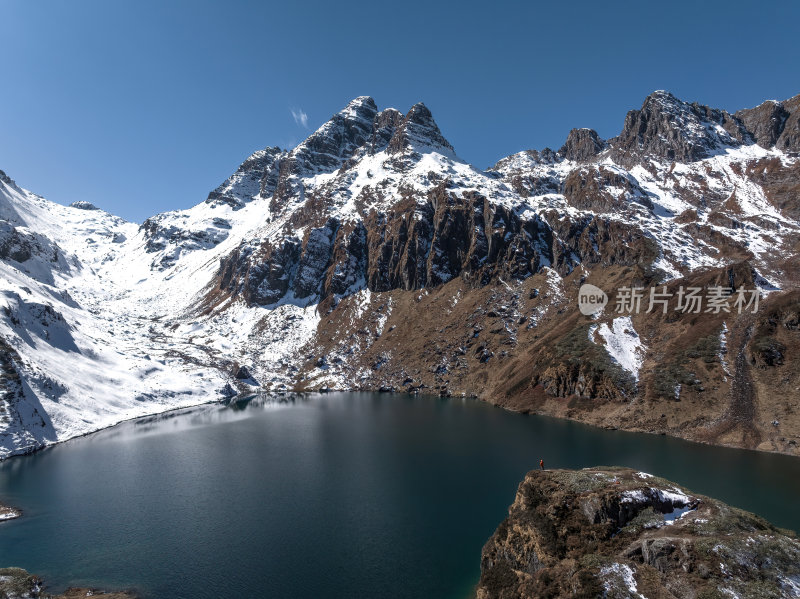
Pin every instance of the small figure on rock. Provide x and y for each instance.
(541, 464)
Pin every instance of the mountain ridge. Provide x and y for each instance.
(307, 266)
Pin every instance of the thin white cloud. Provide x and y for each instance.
(300, 117)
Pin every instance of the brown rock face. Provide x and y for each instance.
(582, 145)
(260, 275)
(418, 127)
(614, 532)
(765, 122)
(789, 140)
(408, 247)
(781, 183)
(599, 189)
(670, 129)
(774, 124)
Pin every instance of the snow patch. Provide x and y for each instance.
(619, 575)
(622, 343)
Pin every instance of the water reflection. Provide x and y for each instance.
(267, 400)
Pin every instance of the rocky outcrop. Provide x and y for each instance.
(8, 513)
(599, 240)
(789, 141)
(170, 241)
(81, 205)
(37, 255)
(315, 259)
(765, 122)
(256, 176)
(780, 182)
(615, 532)
(4, 178)
(418, 131)
(667, 128)
(22, 423)
(410, 246)
(600, 189)
(20, 244)
(348, 261)
(260, 275)
(582, 145)
(774, 124)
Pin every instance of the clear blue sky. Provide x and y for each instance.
(145, 106)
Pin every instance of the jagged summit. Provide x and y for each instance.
(362, 107)
(356, 131)
(667, 128)
(582, 145)
(337, 140)
(360, 127)
(670, 129)
(418, 132)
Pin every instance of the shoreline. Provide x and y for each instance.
(18, 582)
(31, 451)
(647, 432)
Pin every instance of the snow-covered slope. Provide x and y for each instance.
(104, 320)
(81, 350)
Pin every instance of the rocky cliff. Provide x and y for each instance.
(614, 532)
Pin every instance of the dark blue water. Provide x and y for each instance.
(338, 495)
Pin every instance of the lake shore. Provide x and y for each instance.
(510, 407)
(20, 584)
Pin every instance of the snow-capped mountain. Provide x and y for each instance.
(371, 256)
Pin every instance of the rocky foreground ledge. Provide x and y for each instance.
(16, 583)
(618, 533)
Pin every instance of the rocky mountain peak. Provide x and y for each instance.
(418, 131)
(338, 139)
(582, 145)
(360, 108)
(420, 114)
(663, 98)
(668, 128)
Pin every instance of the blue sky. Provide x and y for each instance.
(142, 107)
